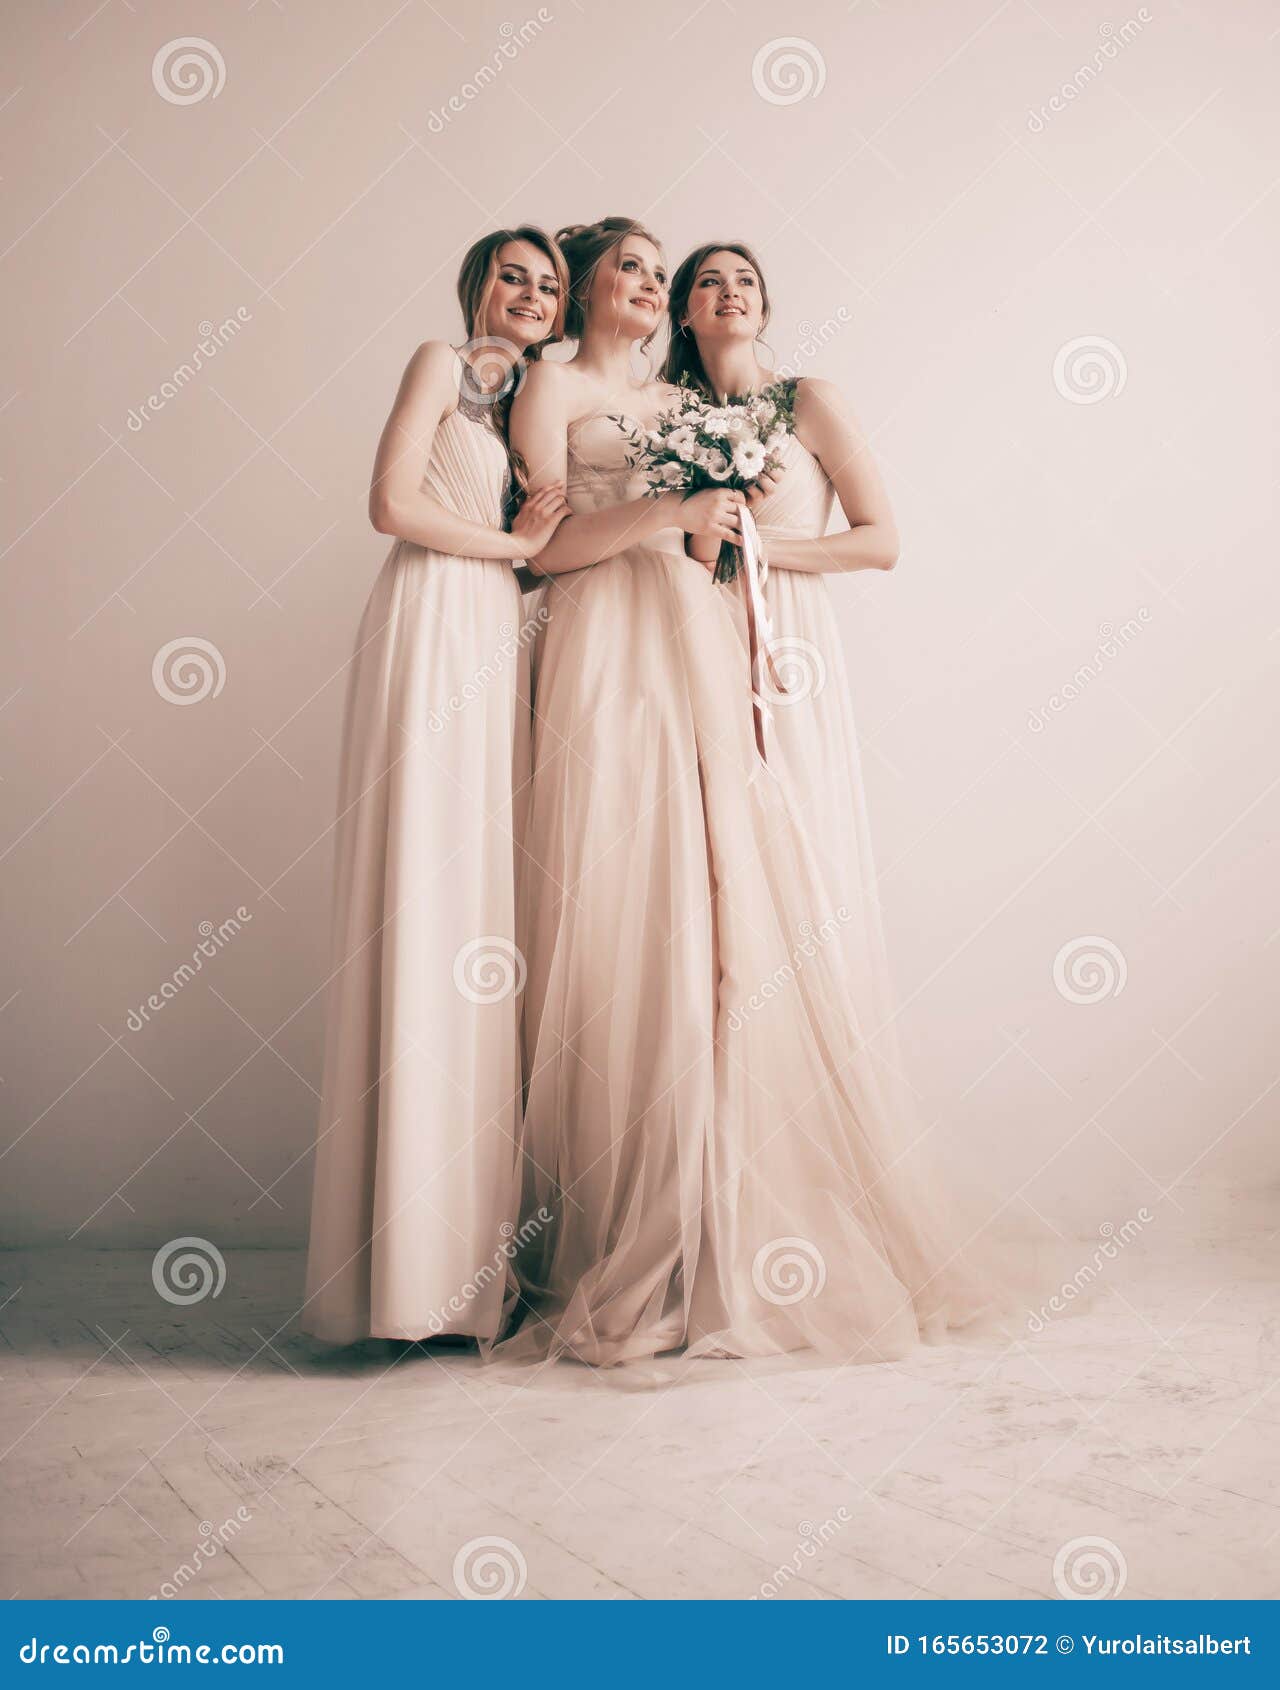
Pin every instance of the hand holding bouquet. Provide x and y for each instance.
(700, 444)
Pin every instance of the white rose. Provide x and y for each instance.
(716, 465)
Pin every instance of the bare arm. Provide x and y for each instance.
(828, 428)
(540, 418)
(397, 504)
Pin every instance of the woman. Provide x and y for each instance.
(719, 309)
(415, 1152)
(709, 1155)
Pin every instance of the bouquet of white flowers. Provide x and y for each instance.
(699, 444)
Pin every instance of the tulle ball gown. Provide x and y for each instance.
(713, 1156)
(412, 1203)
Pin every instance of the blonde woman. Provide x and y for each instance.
(710, 1161)
(421, 1089)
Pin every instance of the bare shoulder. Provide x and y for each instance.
(549, 375)
(818, 398)
(433, 358)
(431, 375)
(551, 384)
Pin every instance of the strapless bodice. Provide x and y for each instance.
(597, 472)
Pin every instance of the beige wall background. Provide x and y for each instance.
(1036, 245)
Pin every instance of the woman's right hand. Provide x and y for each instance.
(538, 518)
(715, 512)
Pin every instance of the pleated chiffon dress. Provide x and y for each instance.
(413, 1205)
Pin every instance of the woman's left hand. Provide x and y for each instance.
(768, 483)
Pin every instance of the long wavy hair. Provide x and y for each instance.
(684, 361)
(584, 245)
(476, 279)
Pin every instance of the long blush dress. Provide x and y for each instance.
(713, 1160)
(412, 1204)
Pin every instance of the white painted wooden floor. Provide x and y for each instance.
(141, 1438)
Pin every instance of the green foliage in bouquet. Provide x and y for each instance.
(700, 443)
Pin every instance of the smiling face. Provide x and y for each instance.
(726, 301)
(525, 297)
(629, 289)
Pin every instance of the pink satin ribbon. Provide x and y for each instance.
(752, 575)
